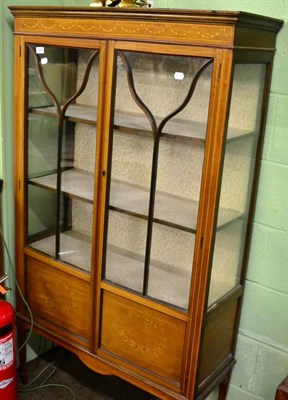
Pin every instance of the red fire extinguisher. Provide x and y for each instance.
(8, 363)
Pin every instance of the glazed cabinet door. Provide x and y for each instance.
(161, 98)
(60, 141)
(157, 150)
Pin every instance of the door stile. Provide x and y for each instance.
(106, 104)
(20, 166)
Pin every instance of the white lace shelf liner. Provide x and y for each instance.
(129, 198)
(176, 127)
(167, 283)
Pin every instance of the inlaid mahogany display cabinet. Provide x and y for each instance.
(138, 135)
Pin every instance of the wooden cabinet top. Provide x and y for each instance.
(210, 28)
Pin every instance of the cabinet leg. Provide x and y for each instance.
(223, 388)
(21, 336)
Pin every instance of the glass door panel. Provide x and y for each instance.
(238, 170)
(161, 108)
(130, 180)
(61, 143)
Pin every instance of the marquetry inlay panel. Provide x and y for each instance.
(143, 336)
(56, 300)
(199, 33)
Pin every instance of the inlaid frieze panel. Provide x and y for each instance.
(206, 34)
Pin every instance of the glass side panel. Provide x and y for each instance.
(239, 162)
(61, 142)
(161, 109)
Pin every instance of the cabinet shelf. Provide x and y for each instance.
(75, 112)
(75, 248)
(119, 260)
(184, 129)
(76, 251)
(170, 210)
(75, 183)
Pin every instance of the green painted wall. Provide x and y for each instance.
(262, 351)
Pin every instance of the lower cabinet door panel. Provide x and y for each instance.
(143, 337)
(59, 299)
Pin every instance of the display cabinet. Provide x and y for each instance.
(138, 137)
